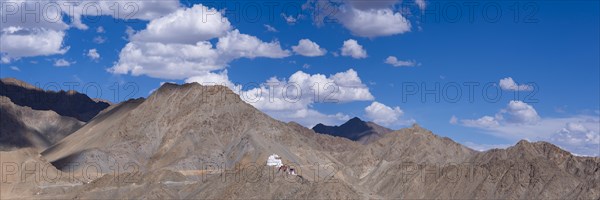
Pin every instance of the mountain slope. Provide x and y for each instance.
(24, 127)
(354, 129)
(65, 103)
(193, 141)
(184, 128)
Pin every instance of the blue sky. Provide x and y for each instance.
(547, 53)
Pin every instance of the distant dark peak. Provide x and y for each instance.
(319, 125)
(65, 103)
(354, 129)
(355, 120)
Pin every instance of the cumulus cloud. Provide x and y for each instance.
(353, 49)
(308, 48)
(453, 120)
(100, 29)
(185, 26)
(168, 61)
(211, 78)
(509, 84)
(99, 39)
(155, 52)
(144, 10)
(236, 45)
(520, 112)
(392, 60)
(578, 134)
(383, 114)
(271, 28)
(292, 99)
(421, 3)
(93, 54)
(28, 38)
(18, 42)
(62, 63)
(483, 122)
(516, 112)
(291, 19)
(340, 87)
(374, 22)
(362, 18)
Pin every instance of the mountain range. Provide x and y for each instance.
(203, 142)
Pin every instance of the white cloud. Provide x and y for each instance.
(62, 63)
(291, 19)
(363, 18)
(158, 53)
(520, 112)
(15, 68)
(308, 48)
(144, 10)
(210, 78)
(236, 45)
(168, 61)
(18, 42)
(385, 115)
(100, 29)
(392, 60)
(93, 54)
(578, 134)
(453, 120)
(422, 4)
(485, 147)
(300, 89)
(292, 99)
(516, 112)
(373, 22)
(353, 49)
(28, 38)
(185, 26)
(99, 39)
(509, 84)
(483, 122)
(270, 28)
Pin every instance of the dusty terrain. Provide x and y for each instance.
(197, 142)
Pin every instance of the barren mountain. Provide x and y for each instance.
(354, 129)
(24, 127)
(197, 142)
(65, 103)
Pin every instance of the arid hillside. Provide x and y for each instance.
(196, 142)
